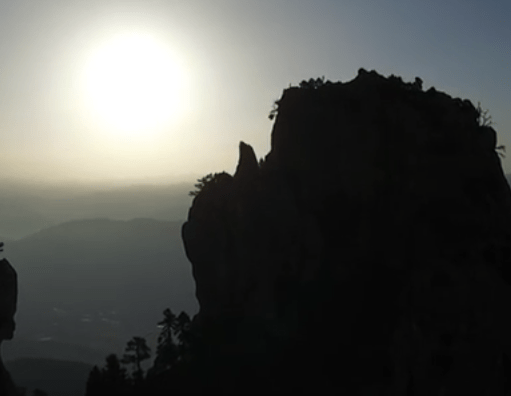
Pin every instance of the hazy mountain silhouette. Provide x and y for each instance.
(25, 209)
(95, 283)
(50, 349)
(56, 377)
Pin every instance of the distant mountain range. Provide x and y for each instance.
(25, 209)
(94, 284)
(56, 377)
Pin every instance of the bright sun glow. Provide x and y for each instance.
(134, 84)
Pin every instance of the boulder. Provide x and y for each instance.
(370, 253)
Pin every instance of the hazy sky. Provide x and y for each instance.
(68, 68)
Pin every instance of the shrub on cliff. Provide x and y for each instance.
(484, 120)
(312, 83)
(274, 110)
(209, 181)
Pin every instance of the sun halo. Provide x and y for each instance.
(134, 84)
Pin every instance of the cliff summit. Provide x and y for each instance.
(368, 253)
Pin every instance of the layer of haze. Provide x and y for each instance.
(235, 59)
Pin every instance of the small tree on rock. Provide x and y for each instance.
(210, 180)
(483, 116)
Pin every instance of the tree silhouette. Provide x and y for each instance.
(167, 350)
(113, 372)
(183, 333)
(171, 373)
(111, 380)
(94, 383)
(136, 352)
(167, 325)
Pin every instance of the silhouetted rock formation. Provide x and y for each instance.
(8, 299)
(370, 252)
(247, 168)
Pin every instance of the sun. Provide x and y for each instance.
(134, 83)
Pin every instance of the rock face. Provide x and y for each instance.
(370, 252)
(8, 299)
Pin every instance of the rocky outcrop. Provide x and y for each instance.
(8, 299)
(370, 252)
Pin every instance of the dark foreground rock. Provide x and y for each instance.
(370, 252)
(8, 299)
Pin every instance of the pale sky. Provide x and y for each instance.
(227, 61)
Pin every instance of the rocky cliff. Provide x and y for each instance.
(8, 299)
(369, 252)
